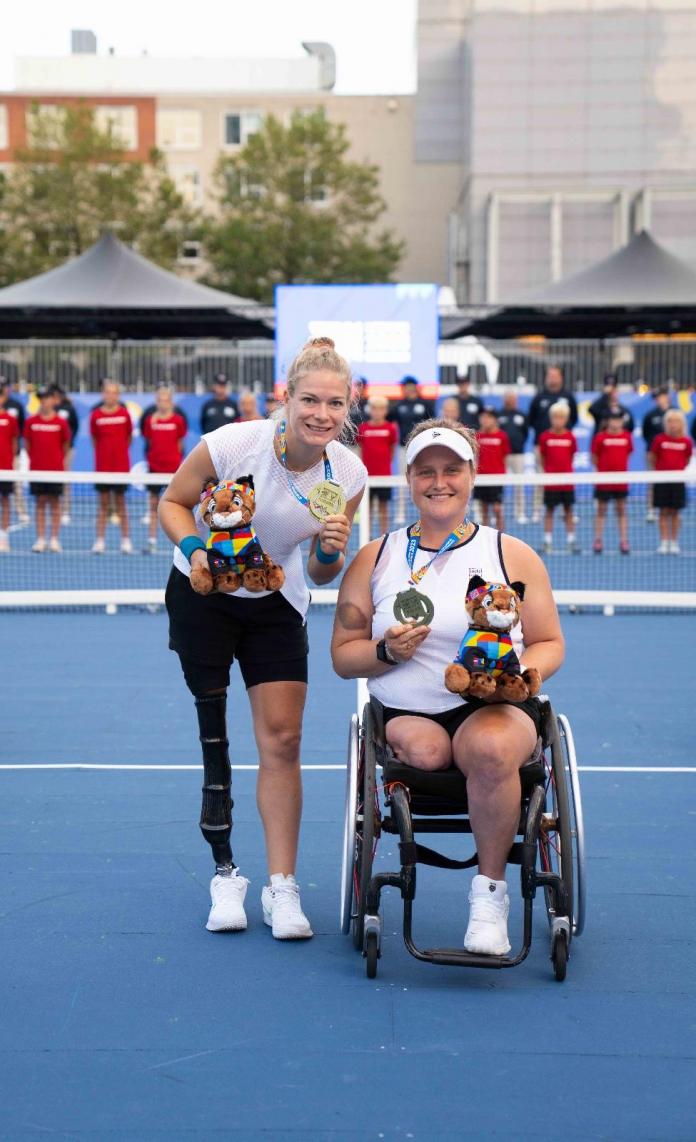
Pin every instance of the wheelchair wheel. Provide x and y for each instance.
(577, 825)
(371, 955)
(555, 837)
(559, 956)
(351, 809)
(365, 818)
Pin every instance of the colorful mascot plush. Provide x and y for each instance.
(235, 556)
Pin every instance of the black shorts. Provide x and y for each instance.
(452, 719)
(604, 495)
(669, 496)
(383, 495)
(267, 636)
(488, 495)
(555, 497)
(46, 489)
(6, 488)
(117, 489)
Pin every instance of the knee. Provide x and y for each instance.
(423, 756)
(490, 761)
(282, 744)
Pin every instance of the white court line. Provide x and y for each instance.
(342, 768)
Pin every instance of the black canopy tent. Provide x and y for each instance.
(641, 288)
(111, 291)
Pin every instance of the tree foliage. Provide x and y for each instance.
(72, 182)
(293, 208)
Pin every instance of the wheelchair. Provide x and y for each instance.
(550, 850)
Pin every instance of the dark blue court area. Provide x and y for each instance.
(123, 1018)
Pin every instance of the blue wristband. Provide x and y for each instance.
(189, 544)
(322, 557)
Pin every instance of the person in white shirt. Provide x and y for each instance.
(287, 459)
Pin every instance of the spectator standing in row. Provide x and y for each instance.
(270, 404)
(359, 411)
(554, 390)
(411, 409)
(611, 451)
(494, 447)
(16, 409)
(9, 447)
(652, 426)
(450, 409)
(672, 450)
(164, 432)
(248, 407)
(557, 447)
(470, 406)
(378, 439)
(220, 408)
(65, 409)
(513, 422)
(111, 430)
(48, 443)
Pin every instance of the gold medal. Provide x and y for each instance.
(412, 605)
(325, 499)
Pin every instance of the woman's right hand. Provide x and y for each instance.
(403, 639)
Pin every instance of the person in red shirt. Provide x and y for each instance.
(47, 438)
(111, 429)
(557, 447)
(9, 447)
(377, 440)
(671, 451)
(494, 446)
(164, 432)
(611, 450)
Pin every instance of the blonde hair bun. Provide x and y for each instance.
(319, 343)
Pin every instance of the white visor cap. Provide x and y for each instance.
(442, 437)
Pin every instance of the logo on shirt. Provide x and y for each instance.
(475, 571)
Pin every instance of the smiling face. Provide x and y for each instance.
(316, 411)
(440, 484)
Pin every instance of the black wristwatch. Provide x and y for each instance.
(383, 653)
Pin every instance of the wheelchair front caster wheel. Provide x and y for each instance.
(371, 954)
(559, 956)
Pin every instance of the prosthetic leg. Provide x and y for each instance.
(216, 810)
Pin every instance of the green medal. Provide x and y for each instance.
(413, 605)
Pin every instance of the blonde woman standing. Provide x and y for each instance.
(289, 458)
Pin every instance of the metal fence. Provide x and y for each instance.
(189, 366)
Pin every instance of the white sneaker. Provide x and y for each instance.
(650, 516)
(522, 519)
(548, 546)
(227, 894)
(674, 548)
(663, 549)
(4, 543)
(126, 547)
(54, 545)
(150, 547)
(39, 546)
(98, 547)
(65, 519)
(487, 930)
(282, 910)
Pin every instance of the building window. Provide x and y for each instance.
(4, 133)
(178, 130)
(121, 121)
(45, 125)
(188, 182)
(315, 191)
(190, 252)
(239, 126)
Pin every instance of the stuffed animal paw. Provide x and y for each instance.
(235, 556)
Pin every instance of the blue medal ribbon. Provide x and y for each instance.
(283, 445)
(454, 537)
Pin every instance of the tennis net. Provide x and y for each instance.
(75, 577)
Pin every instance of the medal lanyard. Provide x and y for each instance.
(454, 537)
(283, 445)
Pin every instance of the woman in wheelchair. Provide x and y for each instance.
(404, 661)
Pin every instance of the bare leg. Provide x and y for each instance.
(122, 512)
(154, 501)
(55, 517)
(5, 502)
(419, 742)
(499, 516)
(383, 516)
(102, 514)
(622, 519)
(490, 747)
(277, 709)
(600, 516)
(41, 517)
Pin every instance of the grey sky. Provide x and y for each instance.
(374, 39)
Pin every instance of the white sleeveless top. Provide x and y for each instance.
(419, 683)
(280, 521)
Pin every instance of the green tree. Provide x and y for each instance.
(293, 208)
(73, 181)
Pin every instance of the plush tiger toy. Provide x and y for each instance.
(235, 556)
(486, 664)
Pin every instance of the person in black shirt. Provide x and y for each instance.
(653, 425)
(220, 408)
(65, 409)
(515, 425)
(409, 411)
(359, 413)
(554, 390)
(608, 405)
(470, 406)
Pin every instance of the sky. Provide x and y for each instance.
(374, 40)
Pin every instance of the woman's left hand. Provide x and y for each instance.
(334, 534)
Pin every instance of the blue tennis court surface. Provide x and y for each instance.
(122, 1017)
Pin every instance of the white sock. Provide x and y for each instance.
(496, 888)
(278, 879)
(3, 533)
(548, 537)
(571, 537)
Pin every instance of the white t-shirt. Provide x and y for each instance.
(280, 521)
(419, 684)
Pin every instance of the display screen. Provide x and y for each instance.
(385, 331)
